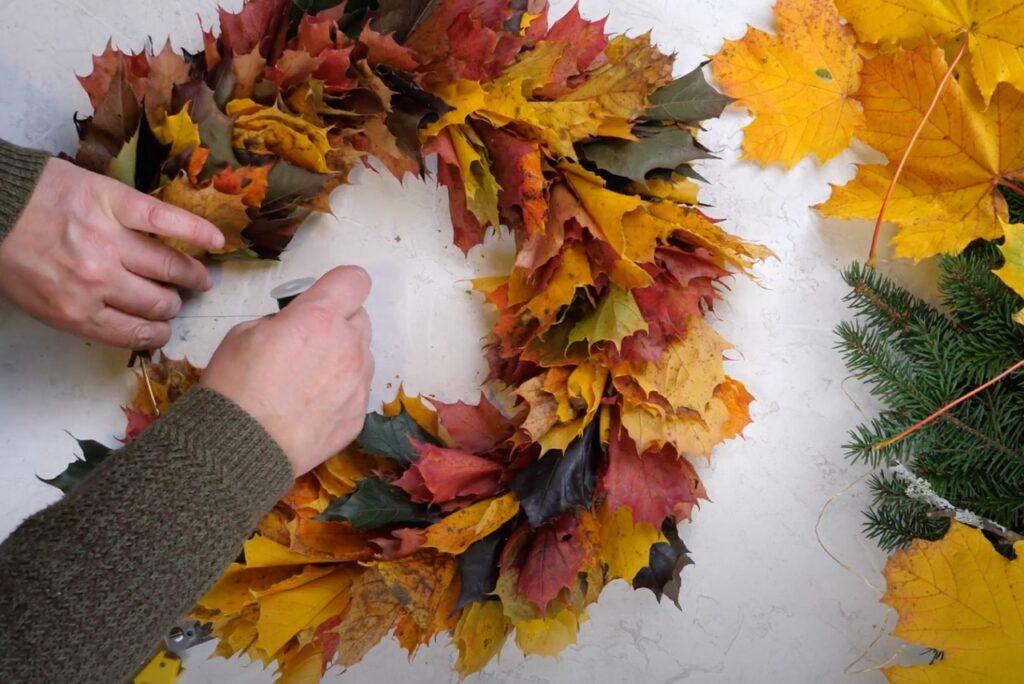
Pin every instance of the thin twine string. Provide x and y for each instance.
(883, 630)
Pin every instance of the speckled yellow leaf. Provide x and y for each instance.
(724, 418)
(625, 543)
(419, 582)
(798, 84)
(959, 596)
(369, 617)
(688, 370)
(994, 29)
(455, 532)
(947, 194)
(179, 131)
(268, 130)
(479, 635)
(548, 636)
(1012, 272)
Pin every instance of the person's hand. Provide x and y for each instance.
(304, 373)
(79, 259)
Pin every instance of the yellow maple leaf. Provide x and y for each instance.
(179, 131)
(625, 543)
(573, 272)
(799, 84)
(994, 30)
(163, 668)
(583, 387)
(261, 552)
(480, 185)
(227, 212)
(268, 130)
(611, 97)
(548, 636)
(303, 666)
(1012, 272)
(235, 588)
(688, 371)
(479, 635)
(423, 415)
(283, 614)
(959, 596)
(946, 196)
(456, 532)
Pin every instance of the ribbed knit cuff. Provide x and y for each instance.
(230, 442)
(19, 171)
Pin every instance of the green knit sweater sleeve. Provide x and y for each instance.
(90, 584)
(19, 171)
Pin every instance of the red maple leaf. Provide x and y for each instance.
(655, 484)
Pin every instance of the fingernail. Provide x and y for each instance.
(218, 240)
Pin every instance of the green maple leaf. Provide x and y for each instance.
(390, 437)
(689, 99)
(659, 148)
(616, 317)
(93, 453)
(375, 503)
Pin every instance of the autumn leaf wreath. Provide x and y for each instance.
(455, 517)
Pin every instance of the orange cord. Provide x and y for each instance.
(906, 153)
(953, 404)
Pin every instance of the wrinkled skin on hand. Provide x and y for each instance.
(81, 258)
(304, 373)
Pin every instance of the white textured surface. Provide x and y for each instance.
(763, 602)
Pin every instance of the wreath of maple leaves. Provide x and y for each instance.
(458, 517)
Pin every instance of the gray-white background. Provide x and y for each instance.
(763, 602)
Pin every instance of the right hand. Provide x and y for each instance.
(304, 373)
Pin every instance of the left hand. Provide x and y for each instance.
(79, 258)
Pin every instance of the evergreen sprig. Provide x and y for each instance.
(916, 359)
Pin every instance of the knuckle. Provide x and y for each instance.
(318, 317)
(165, 307)
(70, 313)
(149, 336)
(170, 267)
(92, 272)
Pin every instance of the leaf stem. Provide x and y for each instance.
(1003, 183)
(906, 152)
(948, 407)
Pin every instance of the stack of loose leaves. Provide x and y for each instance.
(819, 82)
(454, 517)
(814, 86)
